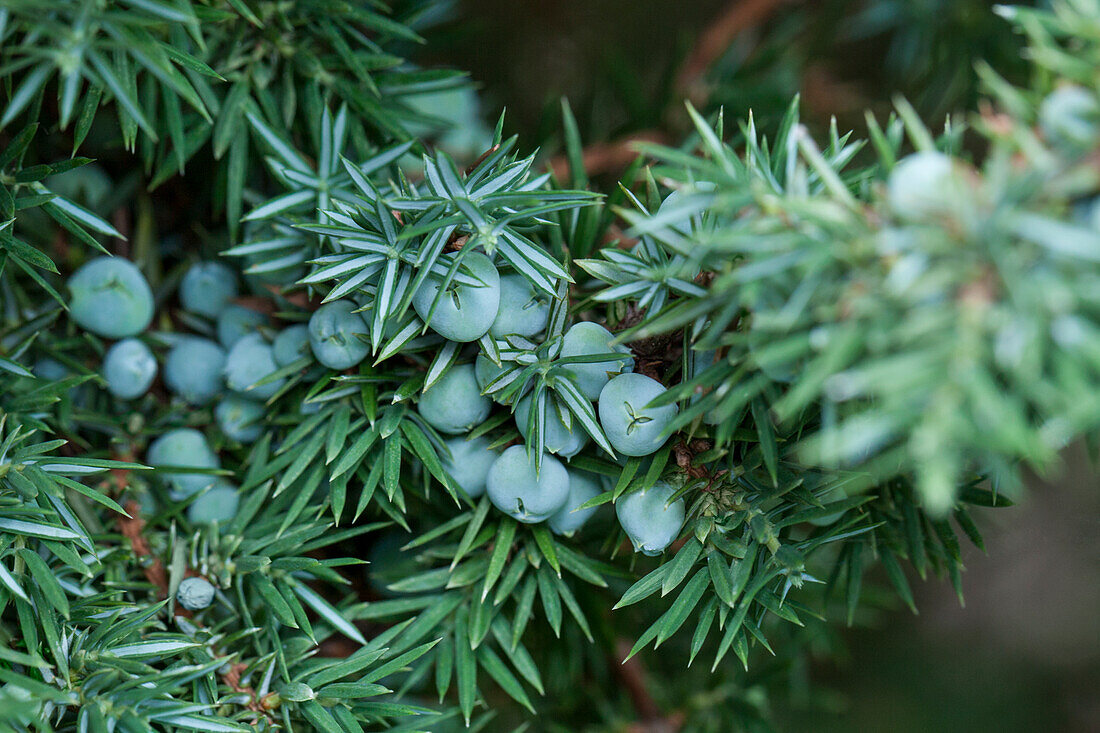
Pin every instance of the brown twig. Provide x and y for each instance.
(455, 243)
(132, 529)
(232, 678)
(738, 16)
(481, 159)
(632, 675)
(611, 157)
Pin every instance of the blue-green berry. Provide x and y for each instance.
(129, 369)
(50, 369)
(218, 504)
(565, 440)
(195, 594)
(522, 311)
(486, 371)
(589, 339)
(235, 322)
(240, 418)
(336, 335)
(183, 448)
(517, 490)
(922, 185)
(583, 486)
(207, 288)
(291, 344)
(454, 404)
(632, 428)
(194, 369)
(651, 523)
(1070, 117)
(464, 312)
(111, 297)
(249, 361)
(468, 463)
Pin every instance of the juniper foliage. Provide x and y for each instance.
(866, 340)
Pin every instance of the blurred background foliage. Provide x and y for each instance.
(1024, 654)
(626, 65)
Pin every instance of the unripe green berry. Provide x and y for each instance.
(207, 288)
(194, 369)
(566, 441)
(515, 488)
(195, 594)
(334, 335)
(183, 448)
(632, 428)
(583, 486)
(235, 322)
(129, 369)
(921, 185)
(248, 362)
(291, 344)
(588, 339)
(522, 311)
(1070, 117)
(50, 369)
(651, 523)
(240, 418)
(111, 297)
(486, 371)
(465, 312)
(469, 463)
(454, 404)
(219, 504)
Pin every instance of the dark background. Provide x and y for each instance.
(1024, 654)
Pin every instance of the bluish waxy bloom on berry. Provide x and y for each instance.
(565, 440)
(921, 185)
(454, 404)
(50, 369)
(194, 369)
(195, 594)
(218, 504)
(464, 312)
(583, 486)
(248, 362)
(632, 428)
(336, 335)
(516, 489)
(183, 448)
(240, 418)
(111, 298)
(207, 288)
(486, 371)
(1070, 117)
(651, 523)
(469, 463)
(235, 322)
(521, 311)
(291, 344)
(590, 339)
(129, 368)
